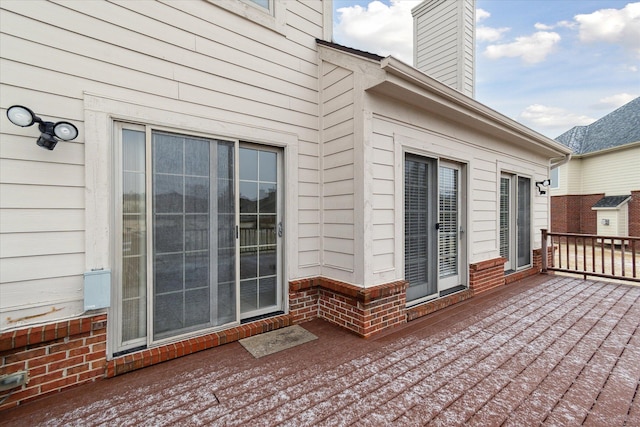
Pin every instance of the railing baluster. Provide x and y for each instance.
(622, 244)
(602, 255)
(593, 255)
(613, 258)
(633, 257)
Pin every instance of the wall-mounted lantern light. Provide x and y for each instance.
(49, 131)
(545, 183)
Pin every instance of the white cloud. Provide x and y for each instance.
(532, 49)
(481, 14)
(543, 27)
(378, 28)
(546, 117)
(615, 101)
(561, 24)
(488, 34)
(620, 26)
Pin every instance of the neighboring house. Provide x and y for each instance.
(236, 172)
(598, 190)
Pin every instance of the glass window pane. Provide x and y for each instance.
(248, 230)
(268, 198)
(268, 166)
(196, 229)
(248, 197)
(267, 234)
(196, 270)
(168, 313)
(267, 293)
(248, 262)
(249, 162)
(168, 153)
(225, 160)
(168, 194)
(196, 195)
(168, 232)
(168, 273)
(261, 3)
(197, 307)
(267, 261)
(226, 302)
(197, 157)
(248, 295)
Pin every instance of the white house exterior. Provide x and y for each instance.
(236, 172)
(598, 190)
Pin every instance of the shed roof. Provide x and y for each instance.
(611, 201)
(618, 128)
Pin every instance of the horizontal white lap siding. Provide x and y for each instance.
(338, 172)
(485, 159)
(383, 204)
(189, 57)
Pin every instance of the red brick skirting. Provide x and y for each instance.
(152, 356)
(485, 275)
(56, 356)
(364, 311)
(438, 304)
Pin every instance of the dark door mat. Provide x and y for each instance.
(278, 340)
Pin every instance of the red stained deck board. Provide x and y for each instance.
(531, 351)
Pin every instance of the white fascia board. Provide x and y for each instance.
(406, 82)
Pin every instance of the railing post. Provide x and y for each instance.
(544, 250)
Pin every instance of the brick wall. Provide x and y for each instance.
(486, 275)
(634, 214)
(56, 356)
(364, 311)
(573, 214)
(438, 304)
(589, 217)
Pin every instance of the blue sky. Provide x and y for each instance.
(549, 64)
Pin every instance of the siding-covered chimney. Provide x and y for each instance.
(444, 42)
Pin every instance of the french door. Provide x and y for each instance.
(515, 221)
(200, 234)
(434, 248)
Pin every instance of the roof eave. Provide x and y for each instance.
(461, 106)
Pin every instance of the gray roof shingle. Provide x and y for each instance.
(611, 201)
(617, 128)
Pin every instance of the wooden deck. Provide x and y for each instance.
(547, 350)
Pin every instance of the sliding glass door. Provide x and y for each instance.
(200, 239)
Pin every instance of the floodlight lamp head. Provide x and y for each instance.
(49, 132)
(543, 183)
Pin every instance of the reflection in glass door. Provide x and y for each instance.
(259, 232)
(449, 226)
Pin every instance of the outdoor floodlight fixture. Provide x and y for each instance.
(544, 183)
(49, 132)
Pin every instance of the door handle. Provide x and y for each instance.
(280, 229)
(437, 226)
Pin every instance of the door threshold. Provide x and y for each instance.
(452, 290)
(260, 317)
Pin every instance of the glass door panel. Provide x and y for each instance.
(505, 221)
(449, 227)
(193, 224)
(524, 222)
(419, 235)
(260, 290)
(133, 302)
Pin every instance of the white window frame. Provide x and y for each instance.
(100, 114)
(273, 18)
